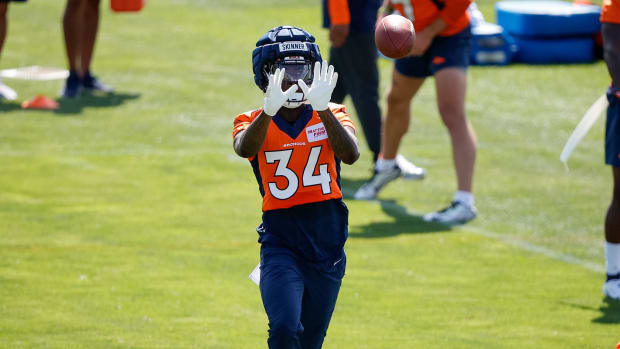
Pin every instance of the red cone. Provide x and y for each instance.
(40, 102)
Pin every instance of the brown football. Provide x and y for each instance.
(394, 36)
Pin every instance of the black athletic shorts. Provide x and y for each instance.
(444, 52)
(612, 128)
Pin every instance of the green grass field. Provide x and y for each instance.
(128, 221)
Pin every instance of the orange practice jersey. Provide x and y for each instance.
(339, 11)
(425, 12)
(296, 164)
(610, 13)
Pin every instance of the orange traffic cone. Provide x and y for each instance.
(127, 5)
(40, 102)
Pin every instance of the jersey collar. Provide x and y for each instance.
(293, 130)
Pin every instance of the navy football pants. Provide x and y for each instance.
(299, 299)
(358, 76)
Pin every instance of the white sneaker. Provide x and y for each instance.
(7, 92)
(370, 189)
(611, 289)
(456, 213)
(408, 169)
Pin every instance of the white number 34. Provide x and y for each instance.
(282, 157)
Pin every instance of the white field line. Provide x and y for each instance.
(507, 239)
(510, 240)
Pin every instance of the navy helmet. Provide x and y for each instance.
(286, 47)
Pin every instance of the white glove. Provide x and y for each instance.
(320, 92)
(274, 97)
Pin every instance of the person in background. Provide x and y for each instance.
(610, 18)
(353, 54)
(5, 91)
(80, 25)
(441, 50)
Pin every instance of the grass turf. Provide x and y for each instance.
(128, 221)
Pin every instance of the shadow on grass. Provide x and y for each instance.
(404, 222)
(7, 106)
(610, 312)
(74, 106)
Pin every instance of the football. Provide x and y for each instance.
(394, 36)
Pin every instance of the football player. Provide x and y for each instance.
(441, 50)
(610, 18)
(80, 27)
(5, 91)
(295, 144)
(353, 54)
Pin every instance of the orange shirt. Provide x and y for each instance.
(610, 12)
(296, 164)
(339, 11)
(425, 12)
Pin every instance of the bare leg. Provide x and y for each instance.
(398, 111)
(5, 91)
(394, 127)
(3, 11)
(91, 25)
(612, 220)
(451, 84)
(72, 25)
(611, 287)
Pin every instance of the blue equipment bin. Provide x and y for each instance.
(555, 50)
(548, 18)
(491, 45)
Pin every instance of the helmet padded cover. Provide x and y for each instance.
(270, 47)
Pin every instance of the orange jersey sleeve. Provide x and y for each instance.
(610, 12)
(341, 114)
(338, 11)
(243, 121)
(425, 12)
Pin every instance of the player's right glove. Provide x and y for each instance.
(274, 97)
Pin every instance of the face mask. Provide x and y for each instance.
(295, 70)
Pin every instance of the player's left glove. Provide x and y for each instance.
(323, 84)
